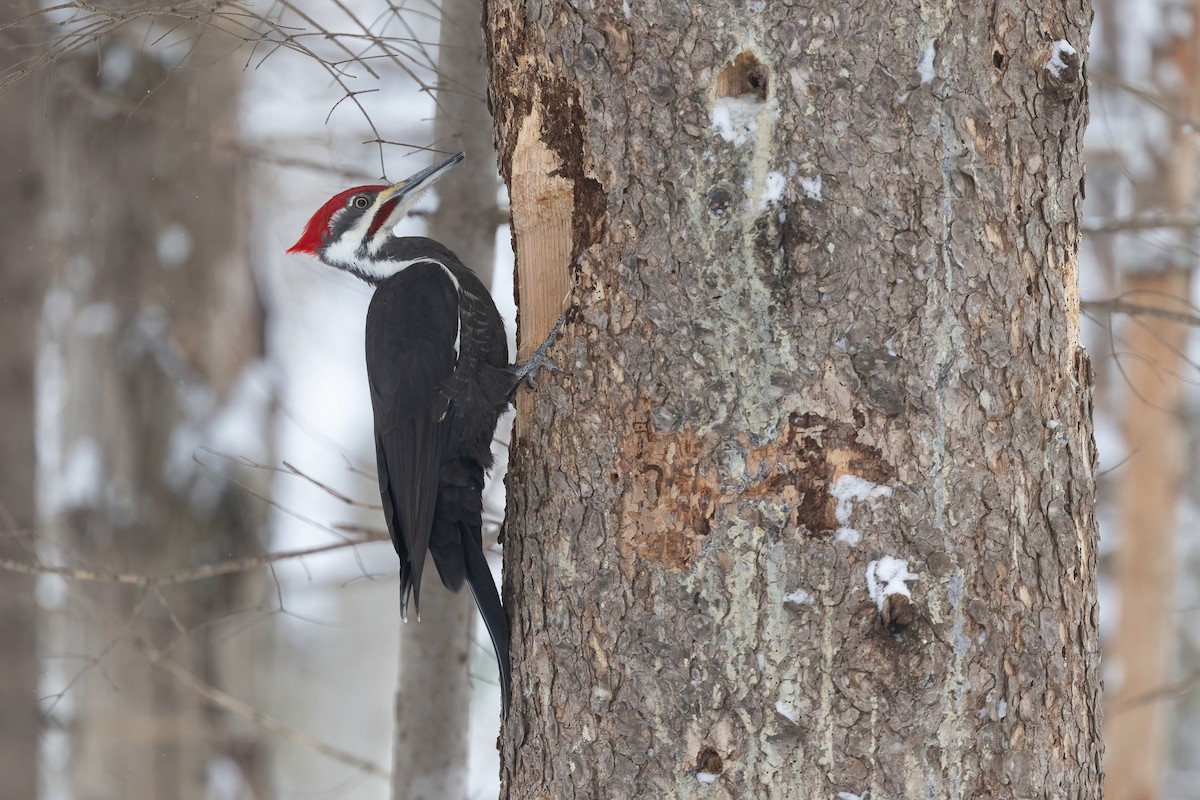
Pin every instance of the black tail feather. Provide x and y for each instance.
(406, 590)
(483, 588)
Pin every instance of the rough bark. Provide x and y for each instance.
(808, 246)
(22, 275)
(1142, 646)
(433, 727)
(151, 324)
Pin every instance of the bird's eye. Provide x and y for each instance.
(361, 202)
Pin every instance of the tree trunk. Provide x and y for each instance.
(1142, 649)
(433, 727)
(813, 513)
(22, 272)
(152, 329)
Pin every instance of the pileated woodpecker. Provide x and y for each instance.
(437, 361)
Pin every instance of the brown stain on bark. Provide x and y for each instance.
(678, 486)
(799, 466)
(564, 130)
(671, 495)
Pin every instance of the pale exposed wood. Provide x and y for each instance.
(542, 206)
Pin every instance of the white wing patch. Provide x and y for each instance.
(458, 317)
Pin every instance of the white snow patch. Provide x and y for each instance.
(1053, 424)
(707, 777)
(174, 245)
(82, 477)
(625, 10)
(786, 710)
(850, 536)
(848, 490)
(888, 576)
(773, 190)
(1056, 65)
(1002, 709)
(735, 118)
(811, 187)
(848, 796)
(762, 662)
(799, 597)
(851, 489)
(925, 65)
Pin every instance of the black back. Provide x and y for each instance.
(435, 416)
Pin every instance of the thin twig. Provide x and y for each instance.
(232, 565)
(1118, 306)
(1144, 222)
(265, 721)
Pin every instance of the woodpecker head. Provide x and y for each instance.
(350, 230)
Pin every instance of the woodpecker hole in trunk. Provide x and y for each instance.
(897, 614)
(708, 760)
(745, 75)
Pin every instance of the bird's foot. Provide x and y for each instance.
(525, 371)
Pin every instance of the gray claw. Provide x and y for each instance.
(539, 360)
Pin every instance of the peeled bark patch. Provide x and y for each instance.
(673, 490)
(542, 206)
(679, 485)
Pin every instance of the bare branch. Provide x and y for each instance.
(1144, 222)
(87, 24)
(1150, 98)
(1119, 306)
(227, 567)
(265, 721)
(1171, 691)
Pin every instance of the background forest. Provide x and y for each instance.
(178, 393)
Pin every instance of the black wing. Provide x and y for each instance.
(412, 331)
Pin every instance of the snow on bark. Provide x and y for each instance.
(1060, 53)
(888, 576)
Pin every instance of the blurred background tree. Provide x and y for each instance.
(22, 283)
(1140, 253)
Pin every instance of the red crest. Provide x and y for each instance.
(317, 229)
